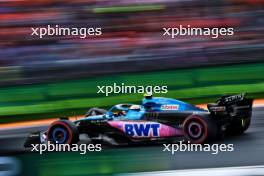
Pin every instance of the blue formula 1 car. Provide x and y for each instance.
(157, 119)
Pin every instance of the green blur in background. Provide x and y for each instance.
(108, 162)
(74, 97)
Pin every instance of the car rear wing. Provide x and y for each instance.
(232, 104)
(231, 99)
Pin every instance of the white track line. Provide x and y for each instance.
(223, 171)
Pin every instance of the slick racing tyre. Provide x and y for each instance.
(239, 126)
(63, 132)
(198, 129)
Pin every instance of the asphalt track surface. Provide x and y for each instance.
(248, 149)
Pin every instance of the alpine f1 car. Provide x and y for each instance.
(156, 119)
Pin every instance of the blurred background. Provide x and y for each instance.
(58, 75)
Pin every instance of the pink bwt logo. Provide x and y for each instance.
(142, 130)
(145, 129)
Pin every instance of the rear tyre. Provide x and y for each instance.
(239, 126)
(198, 129)
(63, 132)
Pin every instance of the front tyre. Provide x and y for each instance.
(198, 129)
(63, 132)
